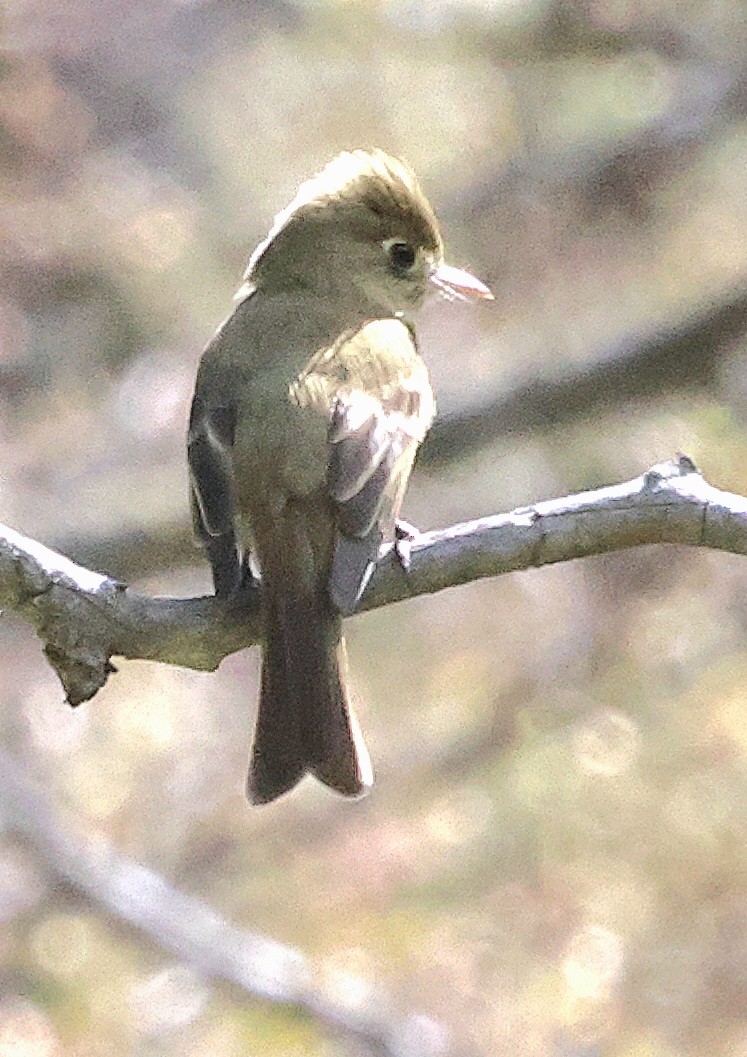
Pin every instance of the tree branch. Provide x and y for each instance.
(85, 619)
(255, 964)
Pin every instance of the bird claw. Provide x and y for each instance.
(404, 535)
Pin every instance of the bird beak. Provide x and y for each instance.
(459, 285)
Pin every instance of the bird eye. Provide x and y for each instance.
(401, 255)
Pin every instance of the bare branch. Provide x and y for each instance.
(255, 964)
(85, 619)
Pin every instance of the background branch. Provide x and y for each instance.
(684, 357)
(193, 931)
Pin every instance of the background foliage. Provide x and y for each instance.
(553, 859)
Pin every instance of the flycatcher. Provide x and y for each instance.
(310, 403)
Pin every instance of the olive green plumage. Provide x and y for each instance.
(310, 403)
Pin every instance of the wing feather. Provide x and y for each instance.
(213, 492)
(374, 387)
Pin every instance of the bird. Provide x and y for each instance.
(309, 406)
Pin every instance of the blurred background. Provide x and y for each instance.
(554, 859)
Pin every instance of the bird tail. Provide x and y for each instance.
(304, 724)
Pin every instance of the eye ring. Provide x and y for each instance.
(401, 255)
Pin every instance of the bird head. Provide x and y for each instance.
(361, 228)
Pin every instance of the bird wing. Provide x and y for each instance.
(374, 386)
(212, 490)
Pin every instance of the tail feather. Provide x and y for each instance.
(304, 724)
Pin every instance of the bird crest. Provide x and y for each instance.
(384, 185)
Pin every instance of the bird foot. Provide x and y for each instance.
(404, 535)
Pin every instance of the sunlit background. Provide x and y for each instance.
(553, 860)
